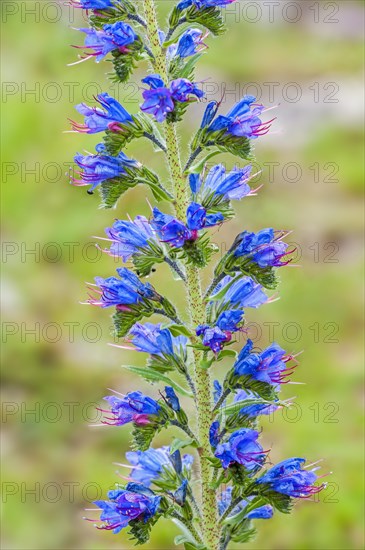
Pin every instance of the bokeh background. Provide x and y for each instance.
(304, 57)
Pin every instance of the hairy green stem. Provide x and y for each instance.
(202, 380)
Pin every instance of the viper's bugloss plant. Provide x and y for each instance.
(214, 496)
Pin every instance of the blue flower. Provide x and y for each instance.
(170, 230)
(121, 292)
(218, 183)
(217, 392)
(201, 4)
(95, 169)
(150, 338)
(262, 512)
(215, 337)
(289, 478)
(253, 411)
(150, 464)
(209, 113)
(267, 366)
(180, 494)
(172, 399)
(135, 502)
(197, 217)
(240, 292)
(98, 120)
(133, 407)
(242, 120)
(159, 101)
(112, 37)
(242, 448)
(263, 248)
(93, 4)
(129, 236)
(182, 89)
(214, 434)
(189, 43)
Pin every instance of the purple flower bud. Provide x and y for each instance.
(231, 186)
(209, 113)
(150, 338)
(172, 399)
(252, 411)
(180, 494)
(214, 434)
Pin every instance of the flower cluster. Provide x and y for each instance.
(234, 476)
(161, 100)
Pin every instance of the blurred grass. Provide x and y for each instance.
(38, 372)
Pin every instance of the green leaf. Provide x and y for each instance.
(153, 376)
(181, 444)
(227, 353)
(238, 405)
(197, 168)
(178, 330)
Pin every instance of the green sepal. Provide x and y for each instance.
(154, 377)
(122, 10)
(199, 252)
(231, 264)
(124, 320)
(125, 63)
(262, 389)
(210, 18)
(136, 128)
(111, 190)
(180, 68)
(147, 257)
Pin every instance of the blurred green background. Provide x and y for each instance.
(306, 57)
